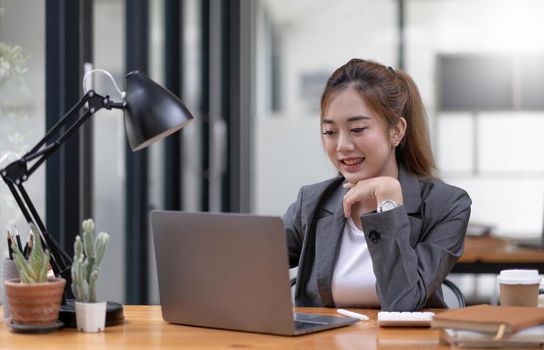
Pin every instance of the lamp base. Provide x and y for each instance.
(67, 314)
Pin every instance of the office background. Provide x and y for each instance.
(252, 73)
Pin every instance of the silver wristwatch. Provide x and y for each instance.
(386, 205)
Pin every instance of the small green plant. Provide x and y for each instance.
(88, 255)
(33, 270)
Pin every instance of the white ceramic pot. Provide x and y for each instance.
(91, 317)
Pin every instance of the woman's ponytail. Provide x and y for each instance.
(415, 151)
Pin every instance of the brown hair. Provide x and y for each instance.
(391, 94)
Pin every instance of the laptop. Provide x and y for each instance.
(228, 271)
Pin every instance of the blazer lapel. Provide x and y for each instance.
(329, 227)
(411, 194)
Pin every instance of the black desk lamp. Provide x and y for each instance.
(151, 113)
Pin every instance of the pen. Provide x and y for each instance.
(27, 247)
(30, 244)
(353, 314)
(9, 245)
(19, 245)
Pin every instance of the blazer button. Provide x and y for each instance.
(374, 236)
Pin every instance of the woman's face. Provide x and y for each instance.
(358, 141)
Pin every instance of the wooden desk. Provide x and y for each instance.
(489, 254)
(144, 328)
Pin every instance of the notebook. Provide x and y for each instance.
(498, 320)
(228, 271)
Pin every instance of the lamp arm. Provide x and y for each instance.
(60, 123)
(17, 172)
(95, 103)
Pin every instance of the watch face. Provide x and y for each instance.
(388, 205)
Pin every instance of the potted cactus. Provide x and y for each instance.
(34, 299)
(88, 254)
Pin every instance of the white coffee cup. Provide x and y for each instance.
(519, 287)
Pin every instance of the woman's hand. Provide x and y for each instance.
(365, 195)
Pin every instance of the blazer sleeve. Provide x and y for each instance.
(406, 275)
(292, 222)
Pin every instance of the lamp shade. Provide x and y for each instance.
(151, 112)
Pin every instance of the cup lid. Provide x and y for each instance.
(519, 277)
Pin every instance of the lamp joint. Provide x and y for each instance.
(15, 171)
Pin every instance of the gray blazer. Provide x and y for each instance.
(413, 247)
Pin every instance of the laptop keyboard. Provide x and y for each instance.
(306, 321)
(299, 325)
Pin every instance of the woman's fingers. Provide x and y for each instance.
(351, 198)
(356, 194)
(369, 192)
(347, 204)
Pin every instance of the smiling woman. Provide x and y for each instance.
(386, 232)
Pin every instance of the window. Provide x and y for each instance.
(22, 99)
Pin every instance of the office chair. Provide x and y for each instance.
(453, 297)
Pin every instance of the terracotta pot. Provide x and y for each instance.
(35, 304)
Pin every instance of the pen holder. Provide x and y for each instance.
(9, 272)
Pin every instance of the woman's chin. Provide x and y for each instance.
(355, 177)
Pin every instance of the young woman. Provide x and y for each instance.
(386, 232)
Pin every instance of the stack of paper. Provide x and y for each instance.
(492, 326)
(530, 337)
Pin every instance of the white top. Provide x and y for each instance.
(353, 281)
